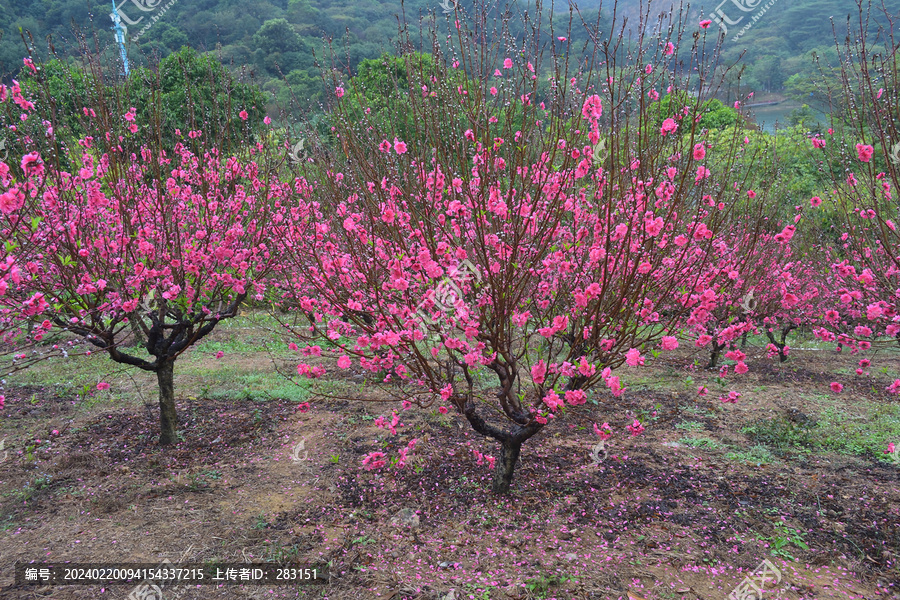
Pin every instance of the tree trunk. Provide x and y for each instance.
(714, 355)
(505, 466)
(782, 357)
(168, 419)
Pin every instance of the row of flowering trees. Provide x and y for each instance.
(542, 224)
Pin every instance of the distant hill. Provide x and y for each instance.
(279, 39)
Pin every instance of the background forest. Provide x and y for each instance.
(282, 40)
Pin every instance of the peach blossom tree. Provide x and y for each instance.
(540, 226)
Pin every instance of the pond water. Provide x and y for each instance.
(767, 116)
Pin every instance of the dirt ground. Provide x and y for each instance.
(656, 518)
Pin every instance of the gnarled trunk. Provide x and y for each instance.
(168, 419)
(780, 344)
(714, 354)
(510, 446)
(505, 466)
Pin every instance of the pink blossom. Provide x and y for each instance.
(339, 92)
(670, 49)
(732, 397)
(633, 358)
(703, 340)
(836, 387)
(344, 362)
(399, 147)
(576, 397)
(32, 164)
(735, 355)
(220, 354)
(374, 460)
(789, 300)
(706, 23)
(507, 64)
(864, 152)
(519, 319)
(786, 234)
(11, 201)
(102, 386)
(653, 227)
(310, 372)
(442, 410)
(668, 126)
(243, 115)
(604, 431)
(702, 173)
(552, 400)
(636, 428)
(669, 342)
(303, 407)
(592, 108)
(585, 368)
(699, 151)
(538, 372)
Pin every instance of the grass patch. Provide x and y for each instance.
(868, 431)
(864, 432)
(782, 433)
(258, 387)
(690, 426)
(759, 455)
(252, 337)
